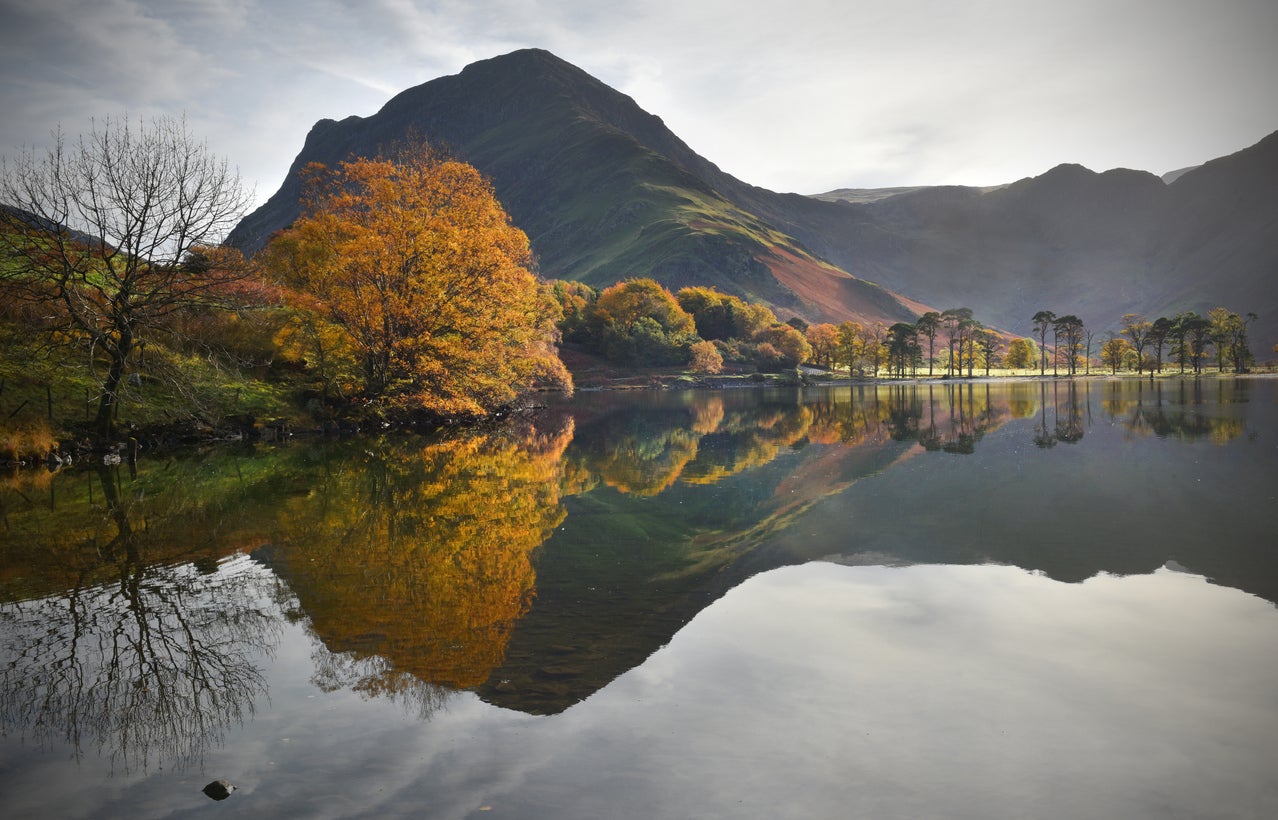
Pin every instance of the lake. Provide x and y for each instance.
(1044, 599)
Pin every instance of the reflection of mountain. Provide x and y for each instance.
(620, 578)
(625, 573)
(1120, 505)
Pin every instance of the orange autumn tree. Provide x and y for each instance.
(415, 259)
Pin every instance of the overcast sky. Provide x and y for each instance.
(792, 95)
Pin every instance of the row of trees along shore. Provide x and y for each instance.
(640, 323)
(404, 291)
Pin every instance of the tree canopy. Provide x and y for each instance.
(412, 256)
(639, 322)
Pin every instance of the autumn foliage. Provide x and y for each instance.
(424, 557)
(639, 322)
(418, 265)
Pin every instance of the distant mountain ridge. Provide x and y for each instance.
(606, 192)
(1071, 240)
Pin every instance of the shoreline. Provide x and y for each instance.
(678, 381)
(182, 437)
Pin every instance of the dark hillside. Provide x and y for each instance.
(602, 188)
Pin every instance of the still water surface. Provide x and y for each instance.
(1030, 600)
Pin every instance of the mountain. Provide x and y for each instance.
(1071, 240)
(605, 192)
(602, 188)
(1172, 176)
(40, 223)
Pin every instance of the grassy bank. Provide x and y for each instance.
(49, 394)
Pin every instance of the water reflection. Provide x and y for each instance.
(144, 658)
(950, 418)
(1186, 410)
(536, 563)
(414, 562)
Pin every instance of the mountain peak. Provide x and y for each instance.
(524, 56)
(603, 189)
(523, 63)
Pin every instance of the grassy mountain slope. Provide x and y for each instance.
(604, 190)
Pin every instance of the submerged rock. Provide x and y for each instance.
(219, 789)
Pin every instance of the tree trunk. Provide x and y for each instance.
(103, 422)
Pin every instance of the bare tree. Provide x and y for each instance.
(114, 233)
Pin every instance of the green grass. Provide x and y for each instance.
(49, 395)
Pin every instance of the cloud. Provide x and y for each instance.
(802, 95)
(115, 52)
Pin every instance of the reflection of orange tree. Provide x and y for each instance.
(647, 462)
(416, 565)
(1022, 400)
(756, 439)
(704, 442)
(699, 444)
(949, 417)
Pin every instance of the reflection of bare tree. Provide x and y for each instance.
(149, 668)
